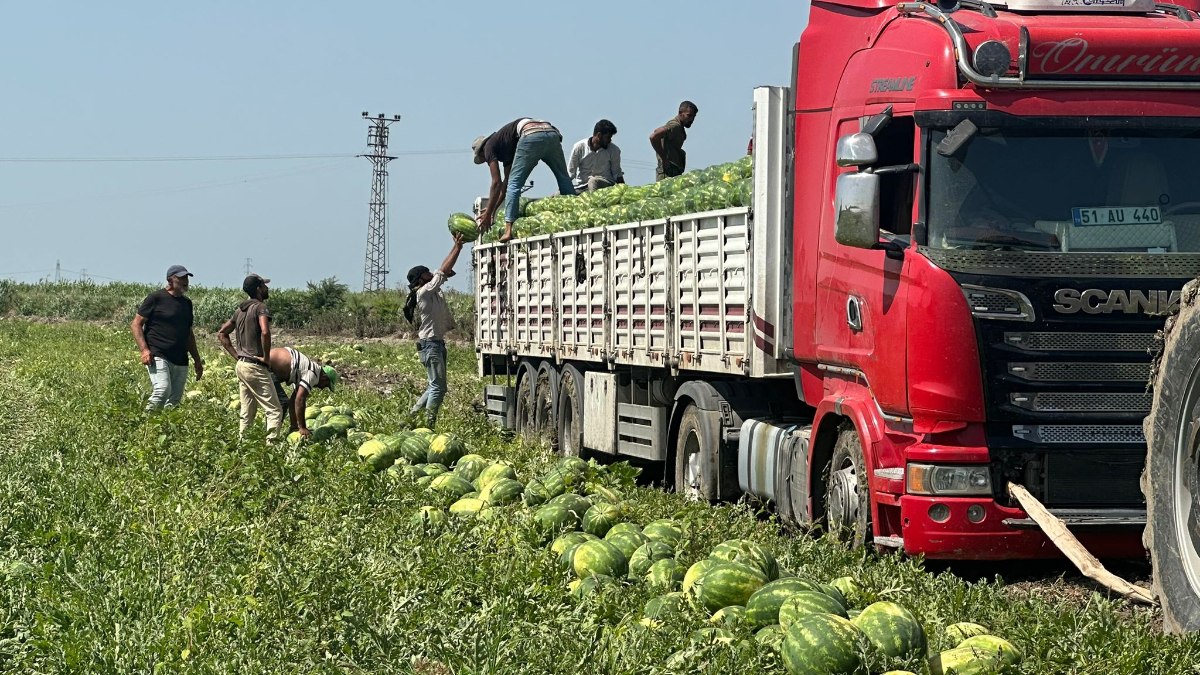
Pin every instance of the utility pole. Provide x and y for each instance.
(83, 274)
(376, 264)
(249, 262)
(57, 271)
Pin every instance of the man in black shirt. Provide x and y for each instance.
(517, 147)
(256, 386)
(162, 329)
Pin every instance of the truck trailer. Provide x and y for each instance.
(968, 221)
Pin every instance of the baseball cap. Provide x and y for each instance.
(415, 273)
(477, 148)
(331, 374)
(178, 271)
(252, 282)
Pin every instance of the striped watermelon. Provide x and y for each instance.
(535, 493)
(695, 573)
(770, 637)
(581, 588)
(666, 573)
(466, 507)
(572, 502)
(821, 644)
(433, 469)
(429, 517)
(566, 560)
(600, 518)
(991, 644)
(957, 632)
(446, 449)
(711, 635)
(646, 555)
(834, 593)
(501, 491)
(803, 603)
(628, 542)
(560, 481)
(463, 225)
(415, 448)
(728, 616)
(469, 469)
(852, 592)
(663, 606)
(424, 481)
(748, 553)
(967, 661)
(552, 519)
(729, 584)
(762, 609)
(573, 465)
(568, 539)
(628, 528)
(494, 472)
(667, 531)
(450, 484)
(892, 630)
(599, 557)
(405, 471)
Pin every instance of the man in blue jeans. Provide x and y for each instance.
(162, 329)
(425, 295)
(518, 146)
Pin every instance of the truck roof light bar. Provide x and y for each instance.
(962, 55)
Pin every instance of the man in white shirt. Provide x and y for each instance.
(595, 162)
(425, 302)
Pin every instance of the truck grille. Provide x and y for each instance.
(1078, 342)
(1062, 371)
(1080, 402)
(1080, 433)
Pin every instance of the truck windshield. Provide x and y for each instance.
(1067, 190)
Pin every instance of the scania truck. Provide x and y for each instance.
(968, 221)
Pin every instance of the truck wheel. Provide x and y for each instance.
(847, 492)
(1171, 479)
(696, 452)
(570, 413)
(526, 420)
(545, 396)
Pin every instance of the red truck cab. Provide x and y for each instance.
(993, 206)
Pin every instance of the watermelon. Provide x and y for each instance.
(357, 437)
(597, 491)
(729, 616)
(463, 225)
(493, 473)
(663, 606)
(967, 661)
(450, 484)
(628, 542)
(748, 553)
(851, 592)
(433, 469)
(535, 493)
(628, 528)
(574, 465)
(376, 454)
(802, 603)
(991, 644)
(770, 637)
(892, 630)
(470, 469)
(423, 431)
(599, 557)
(466, 506)
(695, 573)
(429, 516)
(566, 560)
(834, 593)
(414, 448)
(552, 519)
(667, 531)
(600, 518)
(711, 635)
(322, 433)
(572, 502)
(762, 609)
(646, 555)
(424, 481)
(957, 632)
(501, 491)
(558, 481)
(581, 588)
(407, 472)
(340, 424)
(821, 644)
(446, 449)
(665, 573)
(727, 584)
(569, 539)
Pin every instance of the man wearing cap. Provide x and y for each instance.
(162, 329)
(294, 368)
(425, 294)
(518, 146)
(256, 385)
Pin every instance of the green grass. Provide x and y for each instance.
(159, 543)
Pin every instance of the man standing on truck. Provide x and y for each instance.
(256, 386)
(162, 329)
(518, 146)
(425, 295)
(292, 367)
(595, 161)
(668, 139)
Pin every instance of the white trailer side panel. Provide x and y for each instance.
(493, 299)
(711, 268)
(641, 299)
(535, 300)
(583, 294)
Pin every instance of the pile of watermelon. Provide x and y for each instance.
(715, 187)
(328, 421)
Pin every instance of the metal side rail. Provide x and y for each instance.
(1088, 518)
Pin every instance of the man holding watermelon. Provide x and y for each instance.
(162, 329)
(517, 147)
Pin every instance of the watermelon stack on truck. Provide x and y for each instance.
(967, 224)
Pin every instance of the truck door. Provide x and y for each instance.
(861, 298)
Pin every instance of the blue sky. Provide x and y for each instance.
(86, 81)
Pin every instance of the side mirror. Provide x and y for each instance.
(857, 150)
(857, 208)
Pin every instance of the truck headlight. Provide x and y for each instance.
(938, 479)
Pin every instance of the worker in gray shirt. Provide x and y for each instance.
(426, 302)
(595, 161)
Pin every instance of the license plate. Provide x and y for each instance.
(1116, 215)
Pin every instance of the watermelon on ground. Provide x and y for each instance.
(729, 616)
(762, 609)
(993, 645)
(469, 469)
(695, 573)
(450, 484)
(376, 454)
(729, 584)
(600, 518)
(446, 449)
(646, 555)
(552, 519)
(667, 531)
(628, 542)
(599, 557)
(581, 588)
(822, 644)
(892, 630)
(748, 553)
(501, 491)
(666, 573)
(429, 516)
(569, 539)
(467, 506)
(414, 448)
(770, 637)
(834, 593)
(803, 603)
(493, 473)
(968, 661)
(851, 592)
(573, 502)
(957, 632)
(535, 493)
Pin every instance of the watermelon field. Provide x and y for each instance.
(138, 543)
